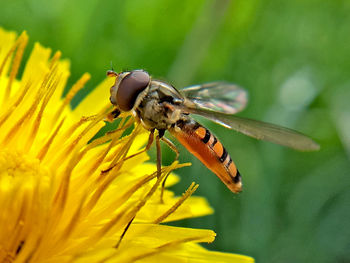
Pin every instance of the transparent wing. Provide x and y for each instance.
(261, 130)
(216, 96)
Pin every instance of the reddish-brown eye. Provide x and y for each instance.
(130, 87)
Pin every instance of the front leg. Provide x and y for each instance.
(113, 115)
(148, 146)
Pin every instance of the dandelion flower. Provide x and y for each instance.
(66, 197)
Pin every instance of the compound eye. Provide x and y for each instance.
(130, 87)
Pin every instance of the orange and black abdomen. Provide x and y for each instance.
(206, 147)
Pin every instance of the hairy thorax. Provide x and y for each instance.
(157, 108)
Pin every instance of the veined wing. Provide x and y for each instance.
(216, 96)
(261, 130)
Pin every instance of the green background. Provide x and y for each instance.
(294, 59)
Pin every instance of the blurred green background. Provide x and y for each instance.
(294, 59)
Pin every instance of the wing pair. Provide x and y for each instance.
(218, 102)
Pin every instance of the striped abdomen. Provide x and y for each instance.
(207, 148)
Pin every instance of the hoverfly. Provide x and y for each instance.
(160, 106)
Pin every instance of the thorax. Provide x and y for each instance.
(156, 107)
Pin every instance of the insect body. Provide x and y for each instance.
(159, 106)
(209, 150)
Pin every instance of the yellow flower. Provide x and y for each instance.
(65, 197)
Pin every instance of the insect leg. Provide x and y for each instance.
(113, 115)
(116, 112)
(159, 156)
(172, 147)
(148, 146)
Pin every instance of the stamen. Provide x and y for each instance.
(75, 219)
(46, 147)
(107, 137)
(108, 180)
(193, 187)
(17, 234)
(37, 121)
(55, 59)
(73, 151)
(100, 190)
(121, 153)
(8, 55)
(72, 92)
(22, 43)
(136, 208)
(123, 234)
(82, 138)
(122, 199)
(15, 103)
(127, 216)
(133, 208)
(30, 112)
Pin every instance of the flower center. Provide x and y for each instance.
(25, 187)
(16, 164)
(22, 177)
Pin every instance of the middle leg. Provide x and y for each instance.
(174, 149)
